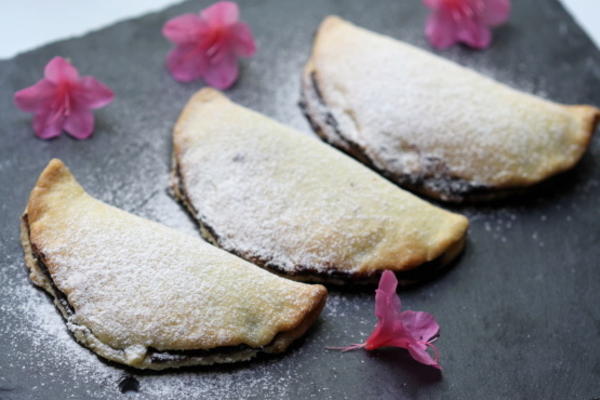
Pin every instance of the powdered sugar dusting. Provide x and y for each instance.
(36, 323)
(273, 194)
(53, 357)
(429, 110)
(134, 284)
(32, 321)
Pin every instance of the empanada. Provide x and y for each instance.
(431, 125)
(141, 294)
(288, 202)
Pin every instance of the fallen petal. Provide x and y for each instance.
(388, 330)
(34, 98)
(223, 74)
(441, 30)
(91, 93)
(183, 29)
(48, 124)
(186, 63)
(421, 355)
(475, 34)
(59, 70)
(421, 325)
(221, 13)
(387, 302)
(390, 334)
(80, 124)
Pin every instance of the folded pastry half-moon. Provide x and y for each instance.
(142, 294)
(288, 202)
(431, 125)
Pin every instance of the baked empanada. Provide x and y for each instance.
(141, 294)
(431, 125)
(288, 202)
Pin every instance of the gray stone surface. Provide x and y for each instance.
(519, 312)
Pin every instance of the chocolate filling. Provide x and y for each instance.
(332, 275)
(59, 295)
(156, 356)
(435, 181)
(180, 194)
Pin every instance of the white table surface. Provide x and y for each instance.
(27, 24)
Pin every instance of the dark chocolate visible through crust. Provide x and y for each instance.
(332, 275)
(60, 296)
(156, 356)
(435, 181)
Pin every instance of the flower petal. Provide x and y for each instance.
(421, 325)
(59, 70)
(387, 302)
(243, 40)
(387, 332)
(475, 34)
(186, 28)
(441, 30)
(80, 123)
(222, 13)
(91, 93)
(186, 63)
(36, 97)
(223, 74)
(48, 123)
(495, 12)
(421, 355)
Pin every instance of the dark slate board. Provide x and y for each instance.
(520, 312)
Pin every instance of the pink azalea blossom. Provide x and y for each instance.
(412, 330)
(208, 45)
(466, 21)
(63, 100)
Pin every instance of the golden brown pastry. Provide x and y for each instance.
(141, 294)
(290, 203)
(431, 125)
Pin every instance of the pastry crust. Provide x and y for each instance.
(431, 125)
(141, 294)
(297, 207)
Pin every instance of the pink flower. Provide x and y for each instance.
(412, 330)
(63, 100)
(466, 21)
(208, 45)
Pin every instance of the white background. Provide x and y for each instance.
(26, 24)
